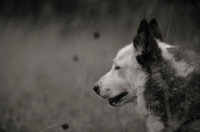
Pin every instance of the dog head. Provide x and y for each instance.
(128, 74)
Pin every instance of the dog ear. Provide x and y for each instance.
(145, 44)
(141, 40)
(154, 29)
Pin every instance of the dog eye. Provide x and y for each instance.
(117, 67)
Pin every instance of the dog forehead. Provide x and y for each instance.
(125, 52)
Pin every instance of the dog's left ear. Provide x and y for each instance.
(145, 44)
(154, 29)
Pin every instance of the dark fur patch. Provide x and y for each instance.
(169, 96)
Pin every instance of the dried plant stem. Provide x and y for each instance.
(170, 22)
(54, 125)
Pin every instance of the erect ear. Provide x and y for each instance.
(145, 44)
(154, 29)
(141, 40)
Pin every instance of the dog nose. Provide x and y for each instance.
(96, 89)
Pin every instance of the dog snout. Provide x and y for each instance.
(96, 89)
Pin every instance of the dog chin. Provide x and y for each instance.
(117, 104)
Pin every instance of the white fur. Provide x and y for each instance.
(154, 124)
(130, 77)
(141, 105)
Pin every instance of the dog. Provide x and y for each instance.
(162, 79)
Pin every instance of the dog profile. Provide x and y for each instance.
(162, 79)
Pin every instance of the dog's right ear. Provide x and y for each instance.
(154, 29)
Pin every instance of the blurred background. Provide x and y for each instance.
(53, 51)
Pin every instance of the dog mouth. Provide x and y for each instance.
(117, 99)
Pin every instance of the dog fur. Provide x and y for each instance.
(163, 80)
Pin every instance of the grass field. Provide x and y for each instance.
(48, 70)
(47, 77)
